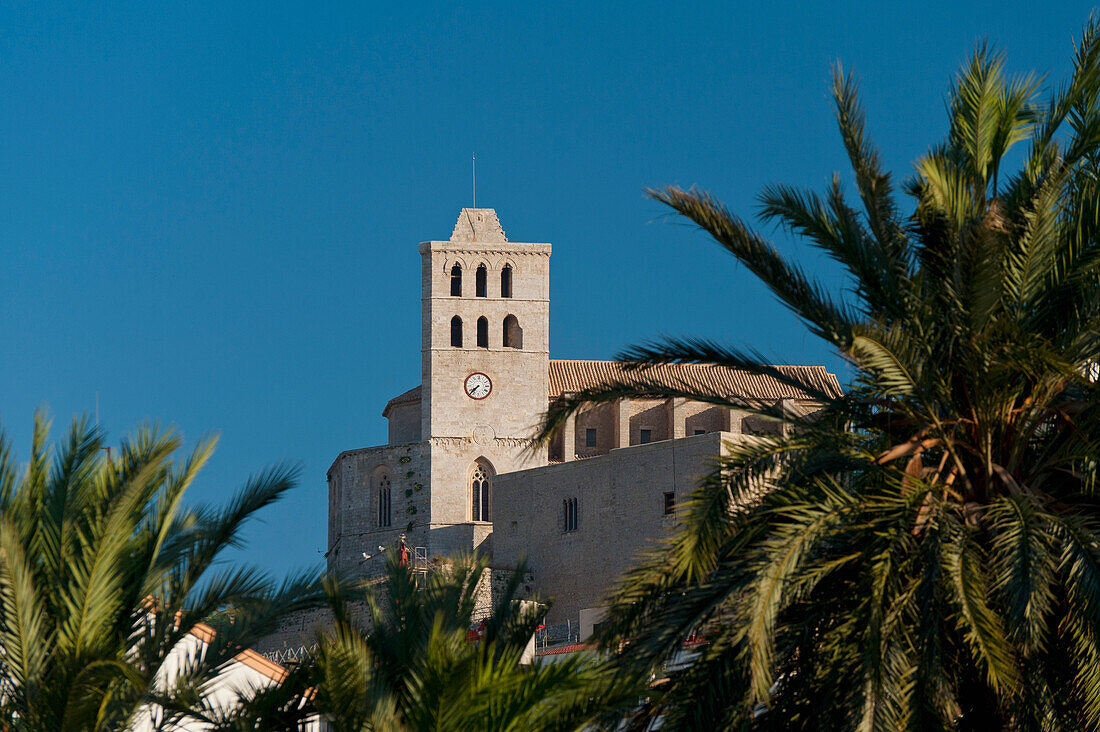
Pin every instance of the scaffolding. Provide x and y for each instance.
(420, 565)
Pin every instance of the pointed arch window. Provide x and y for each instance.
(513, 334)
(456, 280)
(481, 288)
(456, 332)
(481, 494)
(384, 514)
(482, 332)
(506, 281)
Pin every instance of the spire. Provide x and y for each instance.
(478, 225)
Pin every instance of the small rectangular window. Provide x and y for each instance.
(700, 432)
(645, 436)
(670, 503)
(590, 437)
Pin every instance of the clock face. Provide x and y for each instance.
(478, 385)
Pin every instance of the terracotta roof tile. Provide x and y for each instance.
(248, 657)
(572, 376)
(566, 649)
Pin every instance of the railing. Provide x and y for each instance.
(284, 656)
(561, 634)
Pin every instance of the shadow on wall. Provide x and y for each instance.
(447, 540)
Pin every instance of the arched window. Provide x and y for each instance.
(384, 501)
(482, 332)
(506, 281)
(481, 493)
(456, 332)
(513, 334)
(456, 280)
(480, 288)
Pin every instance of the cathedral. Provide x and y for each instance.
(459, 471)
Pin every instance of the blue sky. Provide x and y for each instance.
(209, 211)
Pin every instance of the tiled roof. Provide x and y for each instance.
(248, 657)
(410, 397)
(572, 376)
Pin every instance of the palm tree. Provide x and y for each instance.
(409, 661)
(104, 573)
(924, 551)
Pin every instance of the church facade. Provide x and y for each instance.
(459, 471)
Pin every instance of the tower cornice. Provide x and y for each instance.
(541, 249)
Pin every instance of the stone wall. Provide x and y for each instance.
(519, 376)
(599, 418)
(297, 631)
(353, 502)
(651, 414)
(452, 462)
(427, 480)
(494, 431)
(621, 512)
(404, 423)
(621, 424)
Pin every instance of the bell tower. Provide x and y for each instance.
(485, 363)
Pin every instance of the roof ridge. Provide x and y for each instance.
(699, 363)
(573, 375)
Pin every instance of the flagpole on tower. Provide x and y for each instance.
(473, 172)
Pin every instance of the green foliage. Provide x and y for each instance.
(408, 663)
(923, 552)
(104, 571)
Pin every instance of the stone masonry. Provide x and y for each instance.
(459, 473)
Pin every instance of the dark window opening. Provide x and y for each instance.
(384, 502)
(482, 333)
(670, 503)
(456, 281)
(569, 510)
(700, 432)
(590, 437)
(481, 487)
(456, 332)
(506, 281)
(645, 436)
(479, 281)
(513, 334)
